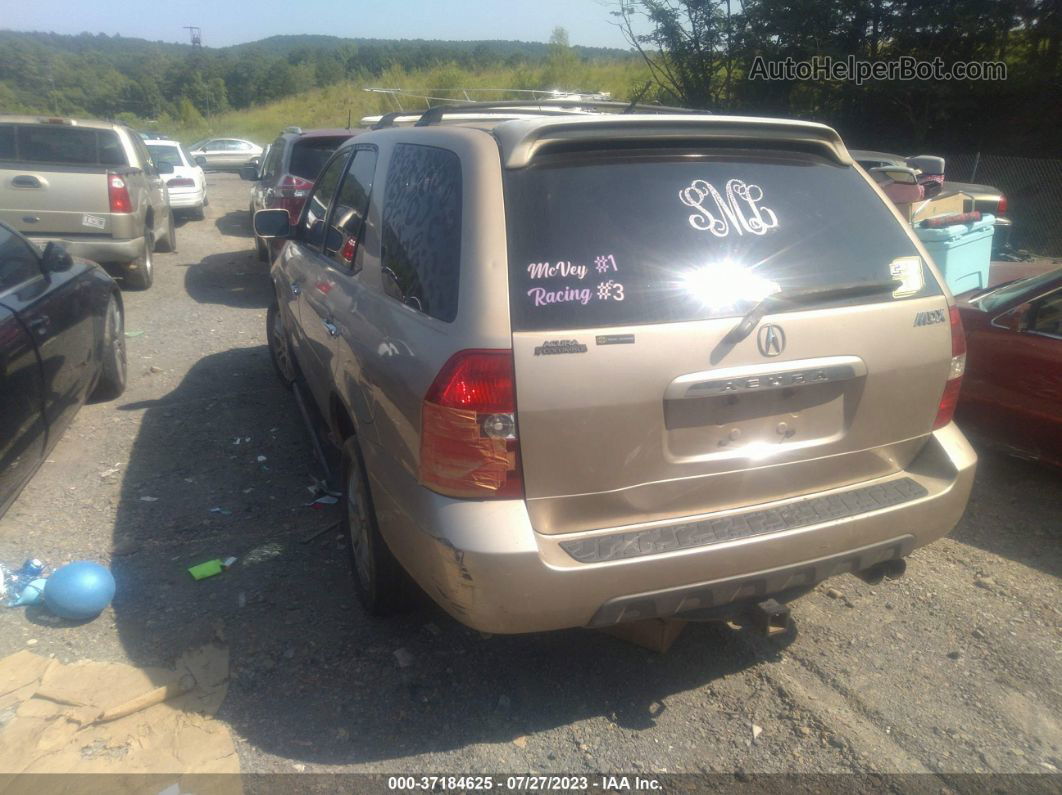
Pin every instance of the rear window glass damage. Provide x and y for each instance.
(634, 238)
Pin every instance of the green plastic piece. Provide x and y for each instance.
(204, 570)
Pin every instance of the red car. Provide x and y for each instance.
(1012, 391)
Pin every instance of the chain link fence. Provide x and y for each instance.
(1033, 187)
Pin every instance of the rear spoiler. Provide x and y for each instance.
(521, 140)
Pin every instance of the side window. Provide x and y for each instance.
(111, 153)
(272, 161)
(351, 206)
(18, 261)
(7, 142)
(313, 228)
(142, 153)
(1048, 316)
(421, 254)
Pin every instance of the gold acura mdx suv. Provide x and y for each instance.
(588, 367)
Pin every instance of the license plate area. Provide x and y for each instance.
(756, 424)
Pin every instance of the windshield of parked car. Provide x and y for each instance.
(165, 154)
(1012, 291)
(625, 238)
(309, 155)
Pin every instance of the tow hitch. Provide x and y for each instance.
(769, 618)
(893, 569)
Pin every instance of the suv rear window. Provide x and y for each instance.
(48, 143)
(308, 155)
(642, 237)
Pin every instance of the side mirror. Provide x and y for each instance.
(200, 161)
(269, 224)
(164, 168)
(56, 259)
(249, 173)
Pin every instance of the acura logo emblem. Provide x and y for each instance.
(770, 339)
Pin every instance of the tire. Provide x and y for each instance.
(261, 249)
(206, 201)
(279, 346)
(140, 273)
(381, 585)
(170, 241)
(113, 364)
(199, 213)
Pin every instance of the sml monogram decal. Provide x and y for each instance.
(740, 210)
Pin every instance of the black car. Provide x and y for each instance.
(289, 166)
(62, 341)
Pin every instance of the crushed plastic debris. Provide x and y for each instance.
(134, 334)
(320, 502)
(32, 594)
(403, 657)
(149, 499)
(222, 511)
(262, 459)
(17, 582)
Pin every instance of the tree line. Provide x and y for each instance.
(115, 76)
(701, 54)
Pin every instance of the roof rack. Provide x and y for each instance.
(545, 106)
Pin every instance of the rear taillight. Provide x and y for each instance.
(181, 182)
(468, 440)
(291, 193)
(950, 398)
(118, 194)
(1001, 208)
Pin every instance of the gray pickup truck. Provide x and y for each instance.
(89, 185)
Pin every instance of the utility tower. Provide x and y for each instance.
(197, 35)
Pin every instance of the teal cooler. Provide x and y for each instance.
(963, 252)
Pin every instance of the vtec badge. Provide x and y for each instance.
(930, 318)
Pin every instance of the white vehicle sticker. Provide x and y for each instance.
(739, 211)
(909, 271)
(609, 290)
(95, 221)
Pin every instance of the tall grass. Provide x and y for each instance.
(329, 107)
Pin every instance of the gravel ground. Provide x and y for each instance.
(955, 668)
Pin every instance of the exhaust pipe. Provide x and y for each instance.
(893, 569)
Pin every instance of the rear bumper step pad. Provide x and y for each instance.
(801, 513)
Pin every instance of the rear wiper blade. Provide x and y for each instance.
(806, 295)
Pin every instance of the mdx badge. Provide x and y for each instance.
(929, 318)
(770, 339)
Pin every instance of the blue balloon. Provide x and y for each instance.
(79, 590)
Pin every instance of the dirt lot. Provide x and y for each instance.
(955, 668)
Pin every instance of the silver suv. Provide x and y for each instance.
(588, 368)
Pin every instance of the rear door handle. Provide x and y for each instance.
(39, 324)
(26, 181)
(295, 289)
(331, 328)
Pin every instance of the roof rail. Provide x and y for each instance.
(388, 119)
(545, 106)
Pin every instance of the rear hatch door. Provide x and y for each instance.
(636, 399)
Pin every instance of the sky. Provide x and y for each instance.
(226, 22)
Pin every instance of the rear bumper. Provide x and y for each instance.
(181, 201)
(485, 565)
(102, 250)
